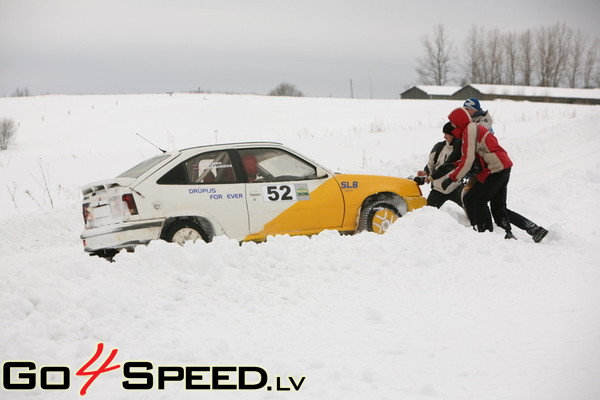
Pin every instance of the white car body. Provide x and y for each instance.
(246, 191)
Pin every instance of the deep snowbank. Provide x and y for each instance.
(431, 309)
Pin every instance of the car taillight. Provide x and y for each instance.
(130, 201)
(87, 215)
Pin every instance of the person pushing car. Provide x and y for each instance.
(481, 146)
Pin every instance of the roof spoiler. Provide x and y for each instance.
(105, 185)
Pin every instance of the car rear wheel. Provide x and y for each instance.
(184, 231)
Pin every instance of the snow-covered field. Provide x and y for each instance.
(431, 310)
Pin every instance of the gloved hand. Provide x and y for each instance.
(446, 182)
(419, 179)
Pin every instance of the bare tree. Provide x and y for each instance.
(551, 55)
(475, 53)
(485, 60)
(576, 58)
(589, 66)
(435, 66)
(286, 89)
(562, 36)
(7, 132)
(551, 52)
(527, 61)
(494, 58)
(21, 92)
(544, 55)
(511, 58)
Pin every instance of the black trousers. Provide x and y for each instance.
(521, 222)
(437, 199)
(494, 191)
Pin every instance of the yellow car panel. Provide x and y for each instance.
(323, 208)
(336, 204)
(356, 188)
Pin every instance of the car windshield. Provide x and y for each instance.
(276, 165)
(144, 166)
(285, 165)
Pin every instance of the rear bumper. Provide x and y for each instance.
(121, 236)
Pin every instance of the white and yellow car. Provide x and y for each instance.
(246, 191)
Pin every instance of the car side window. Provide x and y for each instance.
(275, 165)
(208, 168)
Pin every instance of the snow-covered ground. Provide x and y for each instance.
(429, 310)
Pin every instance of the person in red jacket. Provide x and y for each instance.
(492, 166)
(481, 117)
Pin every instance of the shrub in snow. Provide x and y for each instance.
(286, 89)
(7, 132)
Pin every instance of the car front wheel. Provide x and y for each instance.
(378, 217)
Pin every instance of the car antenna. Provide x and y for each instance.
(164, 151)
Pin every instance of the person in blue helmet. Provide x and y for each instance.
(482, 117)
(478, 115)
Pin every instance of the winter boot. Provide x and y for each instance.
(509, 235)
(538, 234)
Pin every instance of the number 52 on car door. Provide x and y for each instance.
(285, 192)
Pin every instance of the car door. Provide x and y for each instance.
(207, 185)
(285, 196)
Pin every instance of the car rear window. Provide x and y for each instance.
(144, 166)
(208, 168)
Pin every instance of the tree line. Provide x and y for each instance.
(553, 56)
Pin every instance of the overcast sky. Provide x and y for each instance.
(246, 46)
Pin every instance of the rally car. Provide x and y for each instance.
(246, 191)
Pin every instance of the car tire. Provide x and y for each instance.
(107, 254)
(378, 216)
(184, 231)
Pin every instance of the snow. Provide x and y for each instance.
(429, 310)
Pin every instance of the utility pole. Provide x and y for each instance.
(351, 89)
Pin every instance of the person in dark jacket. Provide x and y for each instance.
(439, 165)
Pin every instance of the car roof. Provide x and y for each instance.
(234, 144)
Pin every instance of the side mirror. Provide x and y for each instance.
(321, 172)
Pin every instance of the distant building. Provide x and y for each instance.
(509, 92)
(530, 93)
(430, 92)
